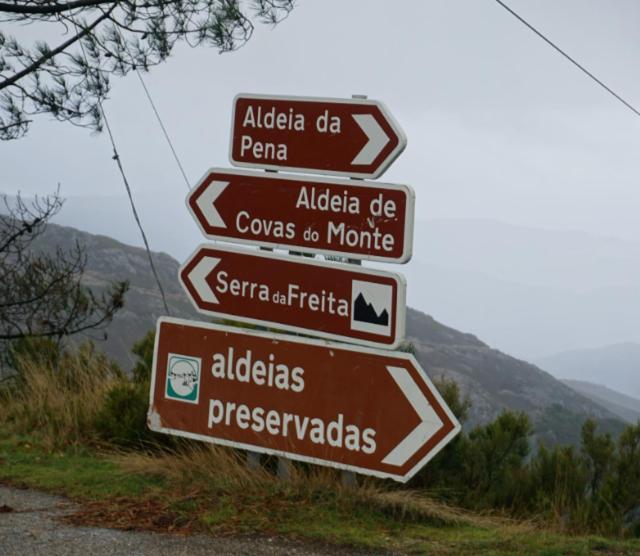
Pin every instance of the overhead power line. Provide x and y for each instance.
(164, 130)
(572, 60)
(116, 157)
(155, 111)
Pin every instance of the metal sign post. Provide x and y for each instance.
(297, 294)
(340, 137)
(357, 219)
(354, 408)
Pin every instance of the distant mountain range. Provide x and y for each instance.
(526, 321)
(558, 259)
(531, 292)
(492, 380)
(625, 407)
(617, 366)
(109, 260)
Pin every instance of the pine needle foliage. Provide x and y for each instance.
(105, 38)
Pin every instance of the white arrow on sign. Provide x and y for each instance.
(206, 203)
(376, 135)
(430, 422)
(198, 277)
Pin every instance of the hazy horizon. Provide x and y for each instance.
(500, 129)
(489, 289)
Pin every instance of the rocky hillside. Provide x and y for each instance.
(492, 380)
(109, 260)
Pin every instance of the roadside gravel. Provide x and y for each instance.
(29, 525)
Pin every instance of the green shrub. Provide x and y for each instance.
(143, 350)
(45, 352)
(122, 419)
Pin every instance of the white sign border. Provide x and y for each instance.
(409, 216)
(391, 157)
(401, 299)
(307, 459)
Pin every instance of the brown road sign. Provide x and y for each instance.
(362, 410)
(298, 294)
(344, 137)
(358, 219)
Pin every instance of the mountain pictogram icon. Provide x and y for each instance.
(364, 311)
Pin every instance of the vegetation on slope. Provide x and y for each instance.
(73, 423)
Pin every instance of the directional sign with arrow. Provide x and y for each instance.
(345, 137)
(367, 411)
(298, 294)
(353, 218)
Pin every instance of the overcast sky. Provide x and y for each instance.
(499, 125)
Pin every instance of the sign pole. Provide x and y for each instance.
(253, 458)
(349, 478)
(284, 465)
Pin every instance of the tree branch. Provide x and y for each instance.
(51, 9)
(60, 279)
(85, 31)
(106, 316)
(15, 124)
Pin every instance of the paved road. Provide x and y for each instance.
(28, 526)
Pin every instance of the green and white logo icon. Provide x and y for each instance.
(183, 378)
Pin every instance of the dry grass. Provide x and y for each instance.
(192, 464)
(225, 471)
(58, 401)
(414, 505)
(207, 484)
